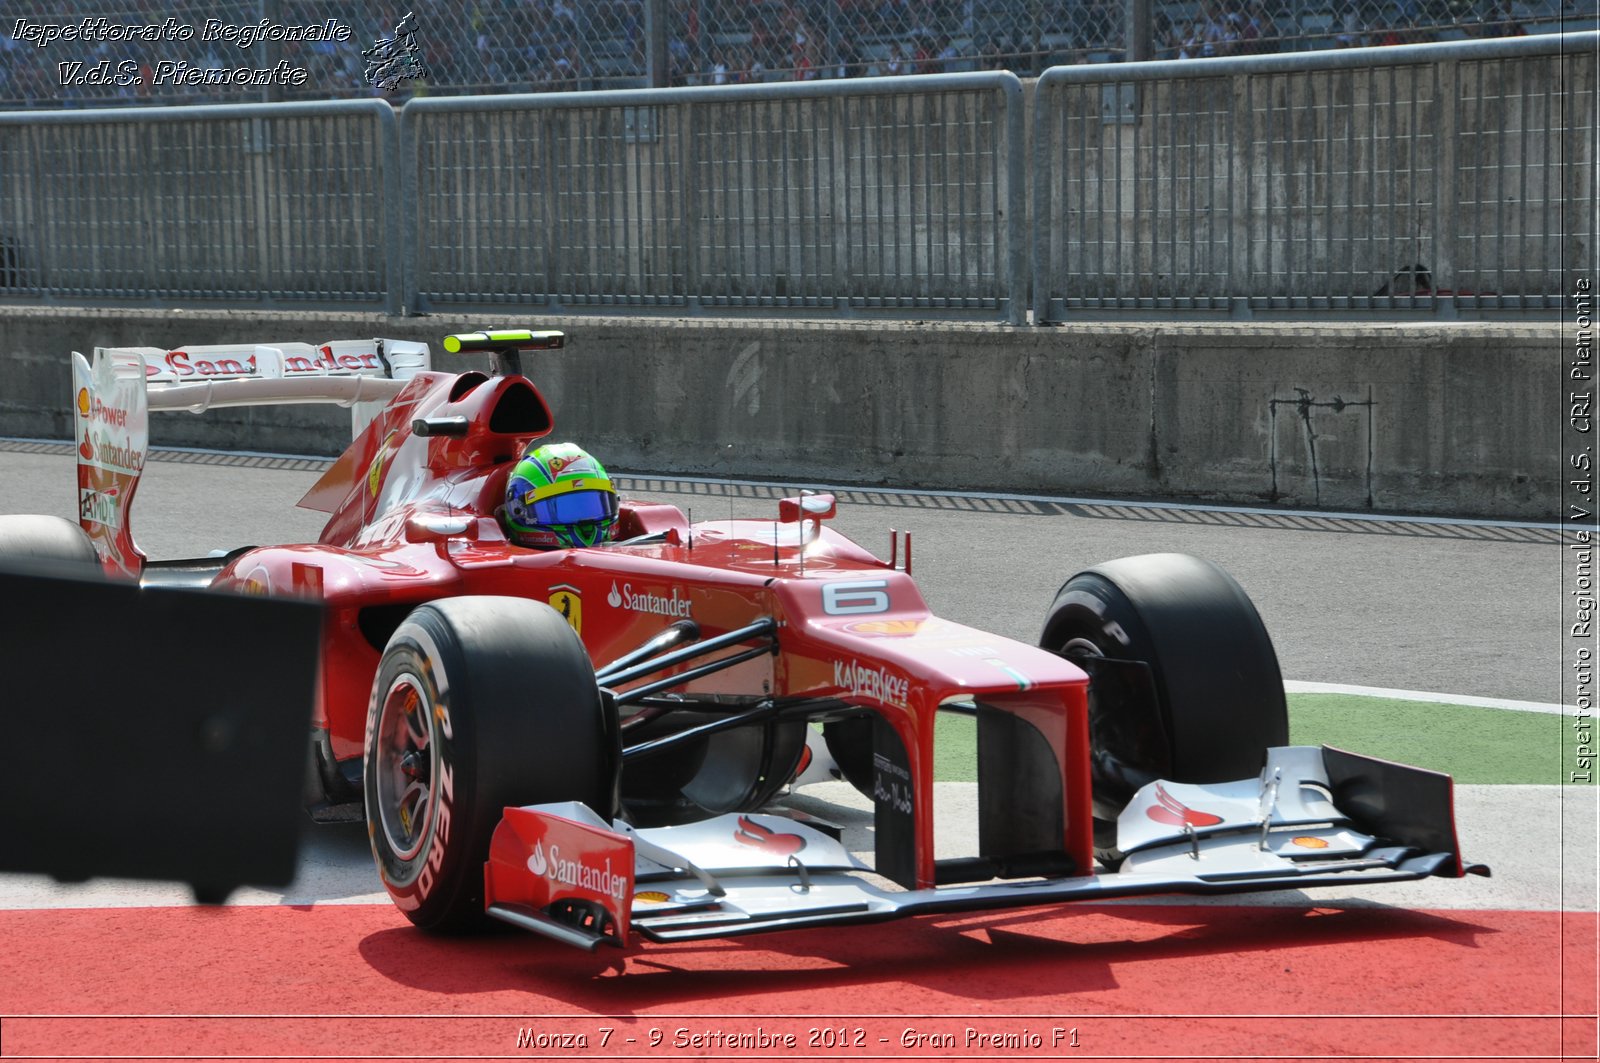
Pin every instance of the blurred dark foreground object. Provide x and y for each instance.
(153, 733)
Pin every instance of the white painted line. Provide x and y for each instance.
(1187, 507)
(1296, 687)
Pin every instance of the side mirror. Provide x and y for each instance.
(440, 426)
(816, 507)
(437, 528)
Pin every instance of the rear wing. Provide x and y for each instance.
(112, 399)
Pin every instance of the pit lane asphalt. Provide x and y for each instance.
(1471, 609)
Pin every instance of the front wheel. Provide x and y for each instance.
(479, 704)
(1184, 684)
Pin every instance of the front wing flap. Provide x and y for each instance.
(740, 874)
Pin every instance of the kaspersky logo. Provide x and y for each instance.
(879, 684)
(576, 875)
(649, 602)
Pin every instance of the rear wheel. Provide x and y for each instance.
(479, 703)
(739, 770)
(1208, 702)
(850, 744)
(41, 538)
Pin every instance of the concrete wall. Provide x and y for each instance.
(1461, 419)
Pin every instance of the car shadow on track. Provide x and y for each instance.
(1015, 957)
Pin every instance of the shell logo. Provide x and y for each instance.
(83, 402)
(888, 629)
(652, 897)
(1308, 842)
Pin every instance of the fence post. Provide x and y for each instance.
(1448, 96)
(409, 208)
(656, 59)
(267, 11)
(397, 261)
(1042, 217)
(1136, 30)
(1018, 249)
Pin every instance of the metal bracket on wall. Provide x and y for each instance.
(639, 125)
(1119, 103)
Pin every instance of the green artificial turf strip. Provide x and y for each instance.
(1475, 745)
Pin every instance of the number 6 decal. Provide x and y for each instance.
(857, 596)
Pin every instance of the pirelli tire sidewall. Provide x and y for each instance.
(426, 884)
(514, 718)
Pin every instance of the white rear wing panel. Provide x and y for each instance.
(362, 374)
(113, 396)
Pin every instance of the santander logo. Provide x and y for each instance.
(575, 873)
(648, 602)
(233, 361)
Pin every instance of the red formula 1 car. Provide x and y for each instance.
(587, 742)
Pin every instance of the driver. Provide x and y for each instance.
(558, 495)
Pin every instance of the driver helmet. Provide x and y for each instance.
(559, 495)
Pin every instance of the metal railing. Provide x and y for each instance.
(829, 197)
(1430, 177)
(254, 204)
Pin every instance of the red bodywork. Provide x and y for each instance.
(413, 520)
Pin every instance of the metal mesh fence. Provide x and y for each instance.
(187, 206)
(486, 46)
(1454, 181)
(831, 198)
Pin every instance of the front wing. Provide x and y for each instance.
(1313, 817)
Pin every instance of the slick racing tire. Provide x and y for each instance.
(1209, 701)
(50, 539)
(479, 703)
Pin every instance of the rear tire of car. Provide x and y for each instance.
(1216, 688)
(479, 703)
(28, 537)
(850, 745)
(739, 770)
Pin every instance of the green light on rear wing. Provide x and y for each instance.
(501, 339)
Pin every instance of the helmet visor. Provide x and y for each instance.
(574, 507)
